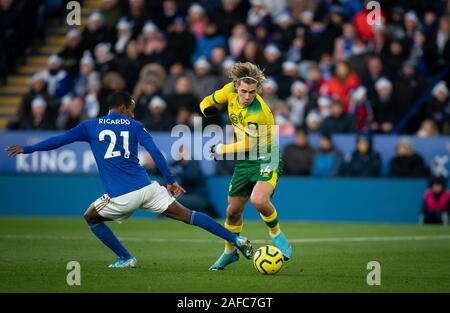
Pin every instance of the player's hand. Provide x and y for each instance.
(210, 111)
(175, 190)
(213, 150)
(14, 150)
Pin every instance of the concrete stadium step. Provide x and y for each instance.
(56, 40)
(50, 49)
(40, 60)
(8, 111)
(86, 10)
(9, 105)
(3, 122)
(31, 69)
(84, 20)
(11, 95)
(19, 80)
(61, 31)
(14, 89)
(90, 6)
(10, 100)
(93, 3)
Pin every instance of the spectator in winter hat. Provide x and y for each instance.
(438, 107)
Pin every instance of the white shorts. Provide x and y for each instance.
(154, 198)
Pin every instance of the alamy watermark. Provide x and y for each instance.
(253, 142)
(74, 16)
(73, 278)
(374, 17)
(374, 276)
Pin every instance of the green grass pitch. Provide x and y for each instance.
(174, 257)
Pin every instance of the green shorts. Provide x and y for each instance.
(248, 173)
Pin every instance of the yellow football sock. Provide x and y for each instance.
(272, 222)
(229, 247)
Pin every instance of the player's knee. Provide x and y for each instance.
(233, 213)
(259, 202)
(89, 217)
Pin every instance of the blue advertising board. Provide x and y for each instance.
(307, 199)
(77, 158)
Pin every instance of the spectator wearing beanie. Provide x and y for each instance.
(365, 162)
(407, 163)
(438, 108)
(384, 109)
(328, 161)
(298, 156)
(338, 122)
(436, 203)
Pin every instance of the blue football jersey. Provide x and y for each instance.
(114, 142)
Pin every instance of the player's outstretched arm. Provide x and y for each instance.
(161, 163)
(75, 134)
(208, 106)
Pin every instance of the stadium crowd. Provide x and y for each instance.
(22, 27)
(329, 71)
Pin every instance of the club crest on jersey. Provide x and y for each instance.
(233, 119)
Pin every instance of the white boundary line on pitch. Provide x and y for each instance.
(293, 240)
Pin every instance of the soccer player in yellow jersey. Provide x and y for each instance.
(259, 166)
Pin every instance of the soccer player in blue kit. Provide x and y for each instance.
(114, 142)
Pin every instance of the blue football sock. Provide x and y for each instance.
(207, 223)
(105, 234)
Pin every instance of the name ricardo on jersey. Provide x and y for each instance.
(118, 121)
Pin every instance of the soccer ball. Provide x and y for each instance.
(268, 260)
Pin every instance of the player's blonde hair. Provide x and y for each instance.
(248, 73)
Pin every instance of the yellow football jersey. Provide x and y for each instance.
(254, 121)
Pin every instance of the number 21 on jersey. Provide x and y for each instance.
(110, 153)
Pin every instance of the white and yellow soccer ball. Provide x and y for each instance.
(268, 260)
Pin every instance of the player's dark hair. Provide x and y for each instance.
(118, 99)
